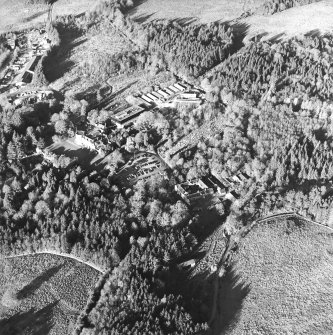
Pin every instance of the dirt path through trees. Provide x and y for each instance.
(49, 252)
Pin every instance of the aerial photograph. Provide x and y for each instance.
(166, 167)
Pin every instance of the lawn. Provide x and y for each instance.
(280, 282)
(87, 159)
(43, 294)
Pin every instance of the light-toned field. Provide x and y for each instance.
(86, 158)
(313, 18)
(16, 15)
(43, 294)
(280, 283)
(205, 11)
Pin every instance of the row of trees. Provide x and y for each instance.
(294, 68)
(191, 50)
(274, 6)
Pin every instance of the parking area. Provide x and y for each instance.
(140, 167)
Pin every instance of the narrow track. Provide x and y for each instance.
(49, 252)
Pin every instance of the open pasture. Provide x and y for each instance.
(43, 293)
(17, 14)
(186, 11)
(313, 19)
(280, 282)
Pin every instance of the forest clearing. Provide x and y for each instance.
(43, 293)
(20, 14)
(190, 10)
(166, 167)
(271, 257)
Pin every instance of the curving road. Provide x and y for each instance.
(286, 215)
(50, 252)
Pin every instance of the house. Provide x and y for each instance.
(153, 97)
(243, 176)
(44, 94)
(167, 90)
(164, 94)
(188, 101)
(232, 196)
(195, 190)
(11, 42)
(212, 182)
(188, 95)
(236, 179)
(143, 101)
(158, 96)
(174, 89)
(84, 141)
(180, 87)
(147, 99)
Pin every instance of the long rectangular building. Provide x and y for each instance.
(127, 116)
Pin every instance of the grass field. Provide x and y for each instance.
(16, 15)
(205, 11)
(280, 282)
(315, 18)
(43, 294)
(86, 158)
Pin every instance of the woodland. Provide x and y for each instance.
(273, 102)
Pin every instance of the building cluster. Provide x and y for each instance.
(27, 97)
(31, 48)
(92, 140)
(196, 190)
(95, 136)
(178, 92)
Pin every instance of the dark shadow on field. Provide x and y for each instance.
(231, 294)
(30, 322)
(133, 10)
(143, 18)
(58, 62)
(277, 38)
(34, 16)
(85, 157)
(185, 21)
(313, 33)
(240, 31)
(37, 282)
(259, 37)
(107, 100)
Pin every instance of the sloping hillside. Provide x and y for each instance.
(17, 14)
(314, 18)
(43, 294)
(280, 282)
(206, 11)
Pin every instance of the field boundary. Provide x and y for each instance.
(50, 252)
(285, 215)
(233, 241)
